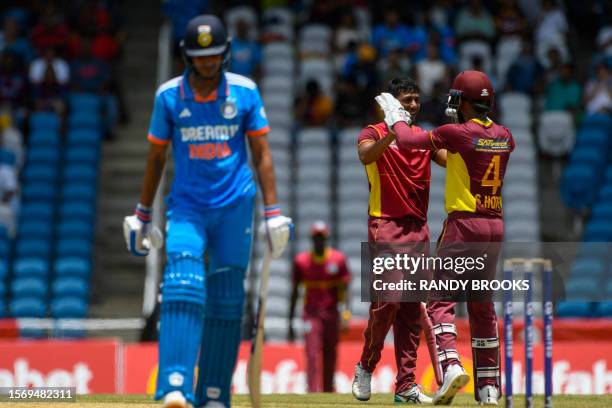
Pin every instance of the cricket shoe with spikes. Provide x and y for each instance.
(412, 395)
(362, 384)
(175, 399)
(488, 395)
(455, 378)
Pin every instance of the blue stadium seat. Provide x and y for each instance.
(3, 311)
(28, 307)
(74, 247)
(79, 192)
(3, 289)
(598, 231)
(37, 211)
(3, 232)
(578, 185)
(70, 210)
(85, 120)
(602, 210)
(80, 173)
(605, 193)
(38, 192)
(44, 137)
(600, 121)
(574, 309)
(29, 287)
(72, 266)
(29, 228)
(5, 248)
(4, 268)
(75, 228)
(84, 137)
(82, 154)
(591, 268)
(70, 286)
(592, 137)
(7, 157)
(588, 155)
(30, 267)
(33, 247)
(84, 102)
(43, 154)
(581, 288)
(608, 288)
(68, 307)
(603, 309)
(44, 120)
(34, 173)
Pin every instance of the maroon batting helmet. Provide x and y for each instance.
(474, 87)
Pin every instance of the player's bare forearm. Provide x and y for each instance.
(262, 160)
(369, 151)
(439, 157)
(407, 138)
(156, 161)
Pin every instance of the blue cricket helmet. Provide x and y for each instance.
(205, 35)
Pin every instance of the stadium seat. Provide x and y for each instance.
(84, 102)
(556, 133)
(278, 50)
(4, 268)
(82, 154)
(315, 33)
(37, 211)
(588, 155)
(278, 67)
(38, 191)
(44, 137)
(603, 309)
(34, 173)
(44, 120)
(592, 137)
(280, 120)
(4, 233)
(598, 231)
(7, 218)
(600, 121)
(75, 228)
(69, 247)
(84, 137)
(578, 185)
(5, 248)
(72, 266)
(574, 309)
(84, 120)
(29, 287)
(30, 267)
(38, 228)
(28, 307)
(605, 193)
(514, 102)
(470, 49)
(33, 247)
(79, 173)
(602, 210)
(70, 210)
(68, 307)
(43, 154)
(79, 192)
(582, 288)
(3, 289)
(588, 268)
(70, 286)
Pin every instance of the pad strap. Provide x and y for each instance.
(487, 372)
(449, 354)
(445, 328)
(485, 343)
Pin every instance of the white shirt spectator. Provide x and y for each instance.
(8, 183)
(38, 67)
(604, 40)
(552, 28)
(429, 72)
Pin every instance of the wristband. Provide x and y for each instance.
(143, 213)
(271, 211)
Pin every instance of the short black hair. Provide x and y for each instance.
(400, 85)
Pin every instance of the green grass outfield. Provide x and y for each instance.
(309, 400)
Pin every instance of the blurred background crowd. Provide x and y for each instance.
(67, 85)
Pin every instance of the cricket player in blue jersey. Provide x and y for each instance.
(208, 115)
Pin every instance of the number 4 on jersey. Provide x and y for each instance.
(495, 181)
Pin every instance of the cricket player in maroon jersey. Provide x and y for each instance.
(399, 195)
(478, 153)
(325, 277)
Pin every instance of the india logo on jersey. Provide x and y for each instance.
(229, 110)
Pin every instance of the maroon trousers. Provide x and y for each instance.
(471, 228)
(403, 316)
(320, 342)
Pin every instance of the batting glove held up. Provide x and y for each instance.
(393, 110)
(139, 238)
(276, 228)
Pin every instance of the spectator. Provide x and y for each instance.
(525, 73)
(313, 108)
(51, 30)
(553, 64)
(8, 184)
(474, 22)
(598, 91)
(390, 35)
(395, 65)
(551, 27)
(246, 53)
(564, 93)
(430, 70)
(417, 41)
(49, 61)
(352, 104)
(478, 65)
(49, 94)
(363, 70)
(89, 74)
(509, 21)
(13, 83)
(604, 41)
(11, 40)
(347, 32)
(105, 46)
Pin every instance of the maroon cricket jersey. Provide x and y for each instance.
(478, 153)
(321, 277)
(399, 179)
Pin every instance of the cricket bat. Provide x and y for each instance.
(254, 369)
(432, 346)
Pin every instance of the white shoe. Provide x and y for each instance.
(455, 378)
(488, 395)
(175, 399)
(412, 396)
(362, 384)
